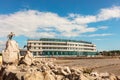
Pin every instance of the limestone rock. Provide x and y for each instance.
(34, 76)
(118, 77)
(49, 76)
(64, 72)
(104, 75)
(94, 74)
(59, 77)
(113, 77)
(27, 59)
(67, 69)
(11, 67)
(10, 54)
(9, 76)
(82, 77)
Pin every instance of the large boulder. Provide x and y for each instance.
(113, 77)
(48, 76)
(27, 59)
(59, 77)
(34, 76)
(11, 53)
(82, 77)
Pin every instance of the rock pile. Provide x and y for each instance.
(42, 70)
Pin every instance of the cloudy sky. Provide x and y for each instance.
(97, 21)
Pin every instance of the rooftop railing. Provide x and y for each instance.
(60, 40)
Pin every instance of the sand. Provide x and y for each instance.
(100, 65)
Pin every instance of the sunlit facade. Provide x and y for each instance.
(61, 47)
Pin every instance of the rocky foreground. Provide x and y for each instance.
(28, 68)
(47, 70)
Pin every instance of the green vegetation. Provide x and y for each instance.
(110, 53)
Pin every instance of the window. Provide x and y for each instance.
(34, 53)
(39, 53)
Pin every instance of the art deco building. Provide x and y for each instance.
(61, 47)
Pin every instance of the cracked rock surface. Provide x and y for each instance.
(47, 70)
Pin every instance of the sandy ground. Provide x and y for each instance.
(100, 65)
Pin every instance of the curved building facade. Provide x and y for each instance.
(61, 47)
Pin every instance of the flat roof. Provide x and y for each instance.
(60, 40)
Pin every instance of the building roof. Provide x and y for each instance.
(60, 40)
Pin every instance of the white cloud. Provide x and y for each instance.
(29, 22)
(104, 14)
(103, 27)
(78, 19)
(97, 35)
(36, 24)
(98, 39)
(109, 13)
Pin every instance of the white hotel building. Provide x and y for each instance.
(61, 47)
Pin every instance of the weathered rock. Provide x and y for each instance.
(104, 75)
(64, 72)
(94, 74)
(68, 70)
(73, 76)
(1, 71)
(82, 77)
(44, 72)
(76, 71)
(118, 77)
(27, 59)
(113, 77)
(51, 66)
(33, 76)
(10, 54)
(88, 76)
(9, 76)
(59, 77)
(48, 76)
(65, 79)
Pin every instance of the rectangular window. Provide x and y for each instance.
(34, 53)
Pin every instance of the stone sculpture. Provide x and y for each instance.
(10, 36)
(11, 53)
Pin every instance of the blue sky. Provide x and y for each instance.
(97, 21)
